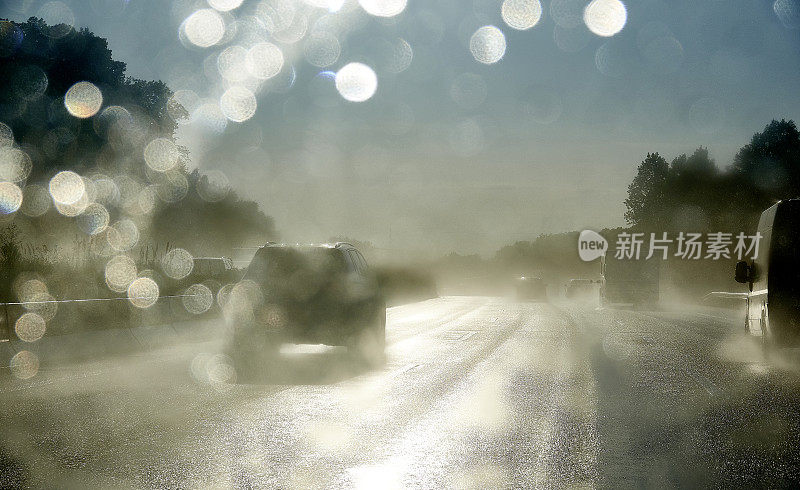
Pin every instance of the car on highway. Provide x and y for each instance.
(773, 300)
(629, 282)
(212, 266)
(313, 294)
(531, 288)
(582, 289)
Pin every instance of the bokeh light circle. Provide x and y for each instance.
(43, 304)
(120, 272)
(204, 28)
(177, 263)
(30, 327)
(383, 8)
(488, 45)
(161, 155)
(24, 364)
(143, 292)
(6, 135)
(94, 219)
(788, 12)
(322, 50)
(225, 5)
(264, 60)
(67, 187)
(58, 16)
(605, 17)
(238, 104)
(232, 64)
(83, 100)
(356, 82)
(397, 54)
(198, 298)
(123, 235)
(521, 14)
(10, 197)
(35, 200)
(15, 164)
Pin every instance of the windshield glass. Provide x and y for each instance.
(279, 264)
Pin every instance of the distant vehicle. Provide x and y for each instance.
(531, 288)
(316, 294)
(212, 266)
(582, 289)
(629, 282)
(773, 303)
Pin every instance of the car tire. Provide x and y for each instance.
(249, 349)
(369, 345)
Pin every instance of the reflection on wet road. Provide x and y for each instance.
(475, 393)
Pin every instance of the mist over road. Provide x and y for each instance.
(476, 392)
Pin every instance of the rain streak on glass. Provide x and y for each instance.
(67, 187)
(143, 292)
(198, 298)
(605, 17)
(238, 104)
(204, 28)
(356, 82)
(383, 8)
(488, 45)
(10, 197)
(120, 272)
(177, 263)
(30, 327)
(521, 14)
(161, 155)
(264, 60)
(83, 100)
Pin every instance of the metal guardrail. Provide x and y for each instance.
(9, 328)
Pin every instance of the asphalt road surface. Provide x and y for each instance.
(475, 393)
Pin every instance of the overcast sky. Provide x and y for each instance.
(451, 153)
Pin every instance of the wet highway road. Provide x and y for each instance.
(475, 393)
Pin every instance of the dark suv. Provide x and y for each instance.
(312, 294)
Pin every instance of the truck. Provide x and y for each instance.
(629, 282)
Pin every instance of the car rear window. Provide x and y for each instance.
(279, 263)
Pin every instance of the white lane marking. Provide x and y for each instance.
(458, 335)
(407, 368)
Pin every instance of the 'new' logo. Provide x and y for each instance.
(591, 245)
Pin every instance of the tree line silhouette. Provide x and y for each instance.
(39, 65)
(692, 193)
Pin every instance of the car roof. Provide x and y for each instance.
(337, 245)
